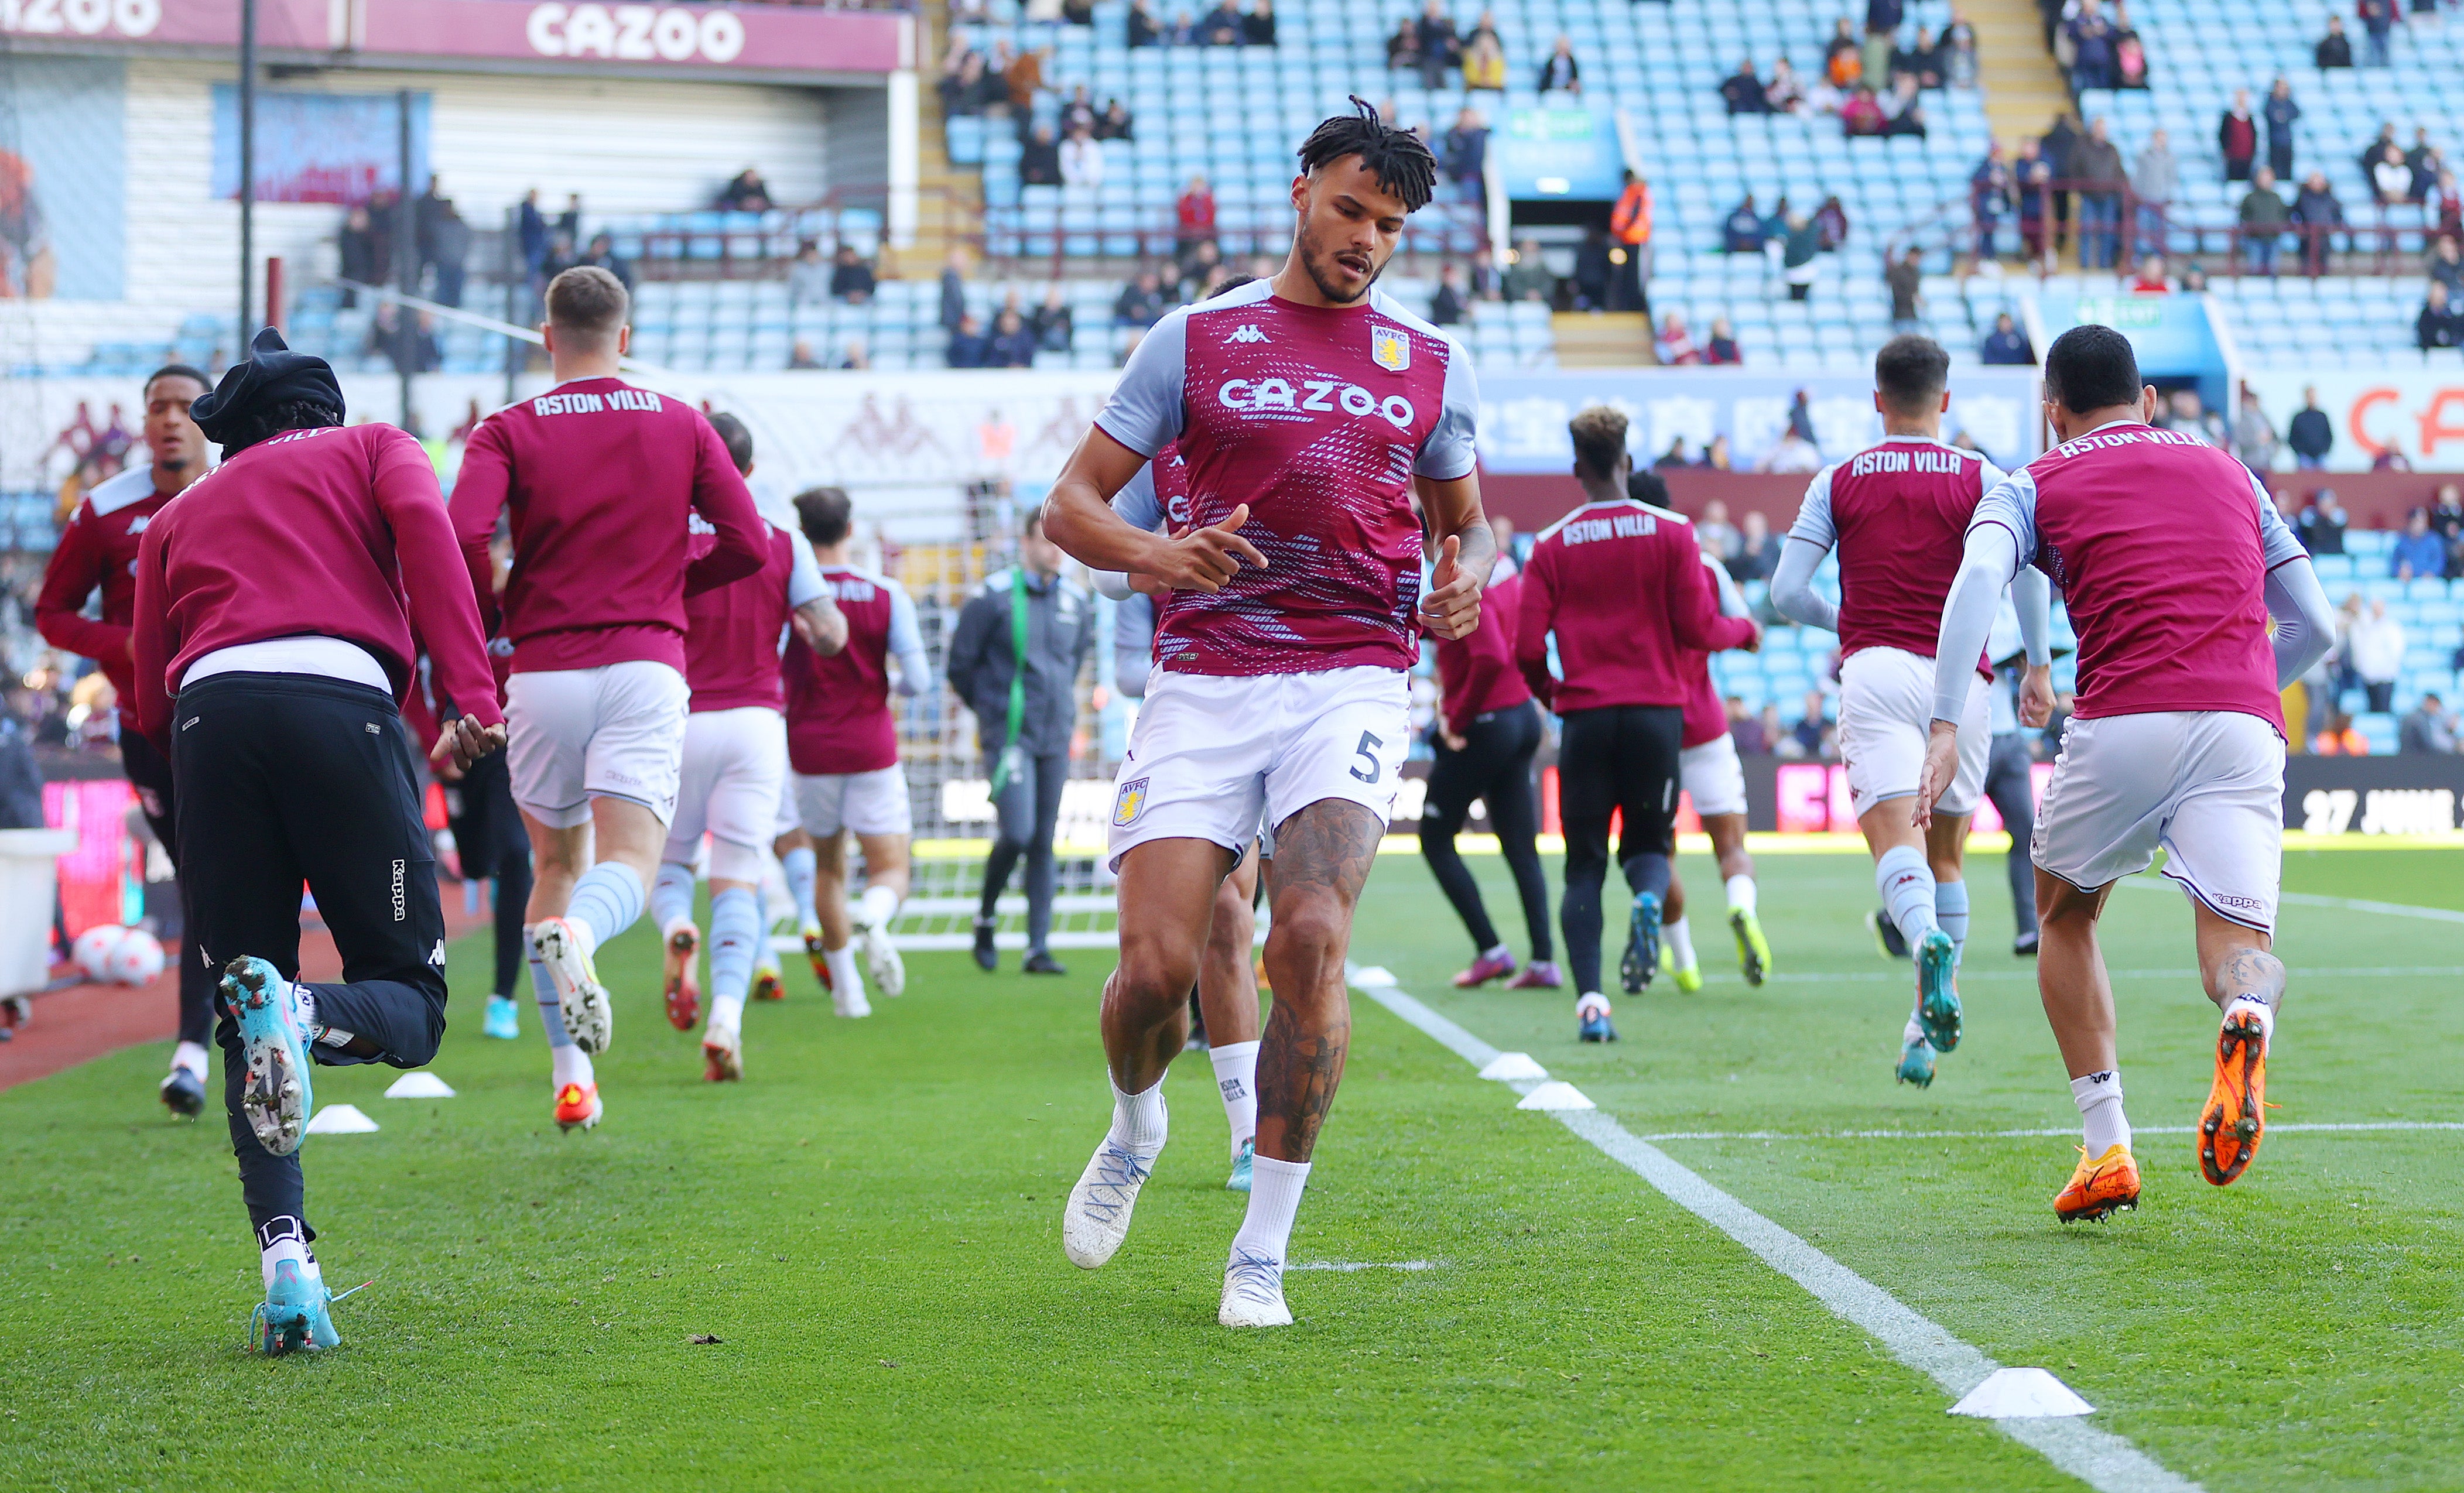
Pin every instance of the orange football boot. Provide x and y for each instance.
(2099, 1188)
(577, 1105)
(2236, 1111)
(820, 958)
(683, 981)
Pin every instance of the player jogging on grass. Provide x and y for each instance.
(98, 552)
(1714, 779)
(1897, 511)
(1622, 587)
(735, 759)
(603, 479)
(2177, 740)
(277, 600)
(1308, 409)
(843, 746)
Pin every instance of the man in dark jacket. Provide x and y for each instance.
(1024, 730)
(2237, 138)
(2311, 434)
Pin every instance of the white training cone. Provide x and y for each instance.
(2019, 1394)
(1556, 1094)
(1507, 1068)
(1374, 976)
(341, 1119)
(422, 1086)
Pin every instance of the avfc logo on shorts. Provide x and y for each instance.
(1126, 804)
(1390, 349)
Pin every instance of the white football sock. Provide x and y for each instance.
(2259, 1008)
(671, 896)
(878, 906)
(284, 1239)
(843, 975)
(2102, 1124)
(1139, 1121)
(1236, 1077)
(1741, 893)
(1275, 1189)
(1678, 941)
(1914, 1031)
(1906, 884)
(190, 1055)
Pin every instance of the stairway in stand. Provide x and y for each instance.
(2023, 87)
(1610, 339)
(948, 200)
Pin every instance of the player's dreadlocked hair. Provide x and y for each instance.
(1400, 162)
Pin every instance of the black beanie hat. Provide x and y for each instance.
(272, 375)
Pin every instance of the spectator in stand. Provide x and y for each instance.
(1193, 216)
(2264, 218)
(2439, 324)
(1481, 279)
(854, 357)
(746, 193)
(808, 274)
(1082, 160)
(2447, 266)
(2323, 523)
(2130, 51)
(1843, 62)
(2281, 112)
(2154, 179)
(1831, 225)
(2429, 727)
(2096, 163)
(1744, 730)
(2318, 212)
(2312, 436)
(1798, 258)
(1079, 111)
(1140, 303)
(2390, 179)
(1715, 534)
(953, 289)
(1792, 453)
(1674, 456)
(1197, 272)
(444, 241)
(1560, 72)
(1447, 306)
(1219, 27)
(1811, 738)
(2376, 647)
(1903, 108)
(2335, 48)
(1013, 345)
(1039, 159)
(1722, 348)
(1592, 268)
(1144, 29)
(2340, 739)
(1630, 226)
(1715, 456)
(1528, 277)
(1989, 197)
(851, 279)
(2378, 22)
(1484, 62)
(2447, 522)
(532, 224)
(1404, 48)
(2031, 175)
(1862, 114)
(1783, 94)
(1883, 19)
(1439, 45)
(2150, 279)
(2091, 38)
(416, 352)
(2237, 138)
(357, 249)
(1465, 153)
(2254, 439)
(961, 85)
(1024, 77)
(2376, 150)
(2425, 164)
(802, 356)
(1742, 233)
(603, 253)
(1672, 343)
(1903, 277)
(2006, 346)
(1114, 124)
(1052, 322)
(1920, 61)
(1078, 12)
(2419, 552)
(1757, 549)
(1959, 51)
(969, 347)
(1258, 25)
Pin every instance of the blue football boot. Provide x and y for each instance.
(294, 1317)
(1916, 1062)
(1242, 1168)
(279, 1096)
(1937, 994)
(1641, 958)
(1592, 1017)
(504, 1019)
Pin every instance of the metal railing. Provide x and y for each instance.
(2113, 228)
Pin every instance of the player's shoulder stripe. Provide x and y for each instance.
(1669, 513)
(116, 491)
(1383, 305)
(1248, 295)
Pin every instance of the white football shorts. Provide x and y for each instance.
(2206, 785)
(870, 803)
(1713, 778)
(733, 763)
(1230, 758)
(785, 818)
(1885, 716)
(613, 732)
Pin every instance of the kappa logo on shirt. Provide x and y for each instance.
(1247, 332)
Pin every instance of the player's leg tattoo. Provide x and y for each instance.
(1322, 855)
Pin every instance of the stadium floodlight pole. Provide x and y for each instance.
(405, 263)
(247, 176)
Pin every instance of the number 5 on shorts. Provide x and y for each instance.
(1367, 752)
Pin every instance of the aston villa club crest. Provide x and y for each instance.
(1390, 349)
(1126, 804)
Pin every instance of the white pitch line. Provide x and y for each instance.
(2312, 899)
(1901, 975)
(1348, 1265)
(2095, 1455)
(2070, 1132)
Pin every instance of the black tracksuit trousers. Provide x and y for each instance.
(1494, 766)
(1620, 759)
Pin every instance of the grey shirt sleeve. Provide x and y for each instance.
(1448, 452)
(2276, 541)
(805, 582)
(1968, 616)
(2306, 624)
(1813, 523)
(1146, 411)
(907, 642)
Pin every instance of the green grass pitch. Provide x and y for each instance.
(870, 1225)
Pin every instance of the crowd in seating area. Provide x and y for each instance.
(1874, 84)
